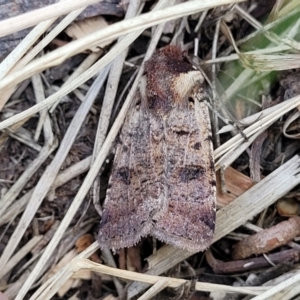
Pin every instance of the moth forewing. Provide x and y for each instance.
(190, 220)
(137, 190)
(118, 227)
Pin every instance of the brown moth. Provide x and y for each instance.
(163, 179)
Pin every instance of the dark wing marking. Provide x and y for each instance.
(190, 219)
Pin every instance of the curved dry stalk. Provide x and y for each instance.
(79, 264)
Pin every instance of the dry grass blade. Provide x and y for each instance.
(32, 18)
(262, 123)
(63, 177)
(21, 254)
(155, 289)
(15, 190)
(270, 63)
(257, 198)
(78, 264)
(84, 66)
(285, 290)
(70, 238)
(8, 63)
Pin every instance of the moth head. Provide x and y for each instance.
(170, 79)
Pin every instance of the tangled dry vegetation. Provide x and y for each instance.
(63, 103)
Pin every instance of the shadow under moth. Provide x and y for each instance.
(163, 179)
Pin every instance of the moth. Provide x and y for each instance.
(163, 179)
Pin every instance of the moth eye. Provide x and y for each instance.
(191, 100)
